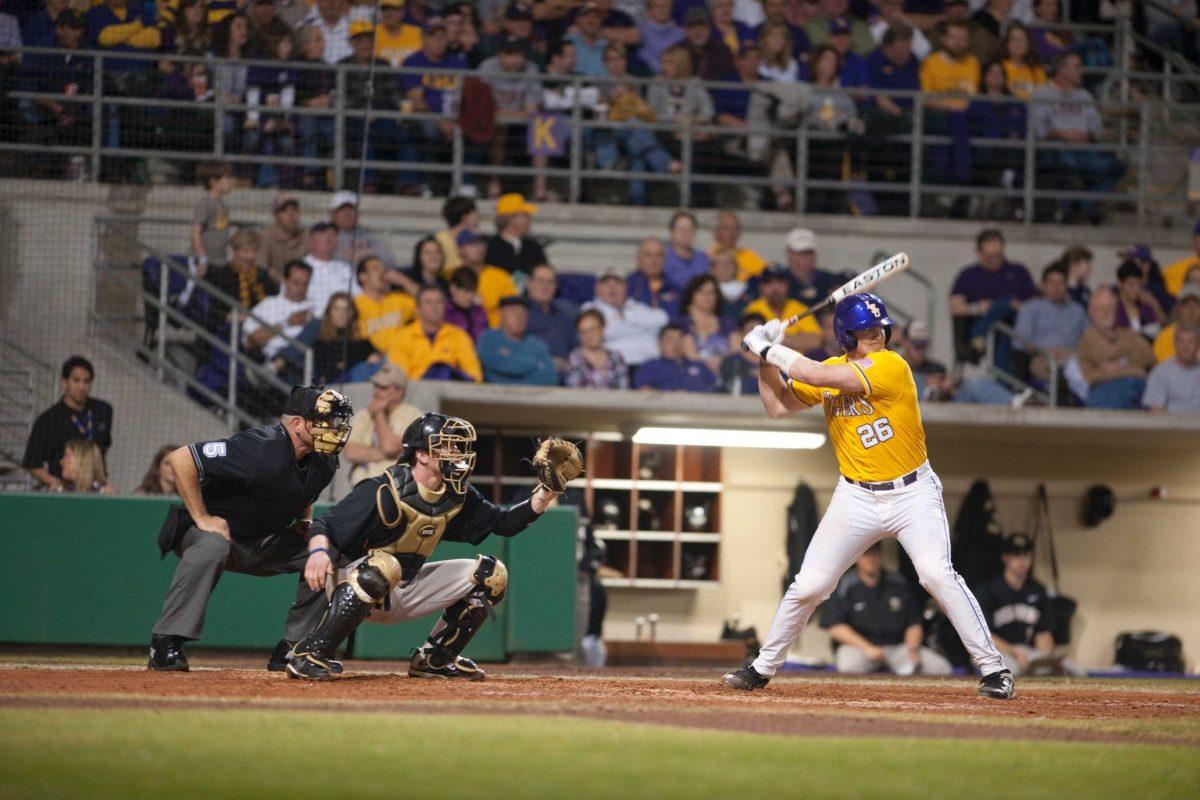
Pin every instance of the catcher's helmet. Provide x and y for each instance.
(858, 312)
(450, 442)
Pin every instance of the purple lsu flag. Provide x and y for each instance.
(547, 134)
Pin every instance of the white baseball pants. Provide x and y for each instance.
(857, 518)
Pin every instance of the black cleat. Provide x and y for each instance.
(166, 654)
(998, 685)
(308, 667)
(746, 678)
(278, 660)
(461, 669)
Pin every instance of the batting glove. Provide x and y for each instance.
(756, 340)
(774, 331)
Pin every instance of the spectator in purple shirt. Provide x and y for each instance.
(683, 260)
(659, 31)
(672, 371)
(551, 318)
(987, 292)
(891, 67)
(775, 12)
(463, 308)
(1136, 307)
(648, 284)
(432, 93)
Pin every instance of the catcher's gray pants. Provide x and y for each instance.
(203, 556)
(436, 586)
(853, 661)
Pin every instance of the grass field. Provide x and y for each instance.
(74, 730)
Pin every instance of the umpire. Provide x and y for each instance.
(247, 507)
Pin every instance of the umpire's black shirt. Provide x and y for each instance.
(1015, 615)
(59, 424)
(879, 613)
(253, 480)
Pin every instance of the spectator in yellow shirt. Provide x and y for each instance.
(774, 303)
(1022, 66)
(379, 307)
(1187, 310)
(951, 69)
(1175, 274)
(432, 348)
(494, 283)
(395, 39)
(726, 233)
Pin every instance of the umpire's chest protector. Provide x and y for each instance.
(413, 518)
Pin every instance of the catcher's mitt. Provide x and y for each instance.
(557, 463)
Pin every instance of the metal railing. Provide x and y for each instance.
(27, 386)
(123, 306)
(113, 121)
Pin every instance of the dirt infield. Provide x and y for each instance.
(821, 705)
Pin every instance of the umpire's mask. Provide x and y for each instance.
(329, 422)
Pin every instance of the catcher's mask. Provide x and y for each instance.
(329, 421)
(450, 442)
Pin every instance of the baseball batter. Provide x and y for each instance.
(887, 486)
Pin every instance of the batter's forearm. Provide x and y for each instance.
(187, 482)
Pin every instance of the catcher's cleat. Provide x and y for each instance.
(278, 660)
(998, 685)
(166, 654)
(747, 679)
(309, 668)
(460, 669)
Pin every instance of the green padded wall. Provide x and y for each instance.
(80, 569)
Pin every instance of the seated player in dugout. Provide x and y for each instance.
(875, 622)
(382, 533)
(247, 506)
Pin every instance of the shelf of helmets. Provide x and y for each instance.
(656, 508)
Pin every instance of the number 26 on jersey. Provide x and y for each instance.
(874, 433)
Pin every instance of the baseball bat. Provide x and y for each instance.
(863, 282)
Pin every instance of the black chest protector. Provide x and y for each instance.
(411, 519)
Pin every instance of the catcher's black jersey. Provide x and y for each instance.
(880, 613)
(395, 514)
(253, 480)
(1015, 615)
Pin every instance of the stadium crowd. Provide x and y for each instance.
(520, 59)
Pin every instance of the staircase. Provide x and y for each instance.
(27, 386)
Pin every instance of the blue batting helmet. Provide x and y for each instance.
(857, 313)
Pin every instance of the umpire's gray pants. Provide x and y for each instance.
(852, 660)
(203, 556)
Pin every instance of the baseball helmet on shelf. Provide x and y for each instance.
(450, 442)
(858, 312)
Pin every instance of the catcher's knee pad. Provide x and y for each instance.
(372, 579)
(491, 576)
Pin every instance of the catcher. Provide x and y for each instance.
(381, 534)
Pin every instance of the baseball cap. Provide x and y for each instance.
(1136, 252)
(514, 203)
(514, 300)
(389, 375)
(391, 3)
(1016, 543)
(466, 237)
(917, 332)
(343, 198)
(1190, 291)
(435, 24)
(323, 225)
(839, 25)
(609, 273)
(283, 199)
(696, 15)
(512, 44)
(361, 27)
(70, 19)
(774, 272)
(801, 239)
(516, 12)
(589, 7)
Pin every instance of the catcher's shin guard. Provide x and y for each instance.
(462, 620)
(312, 656)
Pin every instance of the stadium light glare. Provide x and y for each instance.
(730, 437)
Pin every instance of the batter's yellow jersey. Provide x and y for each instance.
(877, 433)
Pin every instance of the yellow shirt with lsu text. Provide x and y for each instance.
(375, 317)
(395, 47)
(876, 433)
(941, 73)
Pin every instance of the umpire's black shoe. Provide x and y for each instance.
(278, 660)
(746, 679)
(166, 654)
(998, 685)
(309, 667)
(460, 669)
